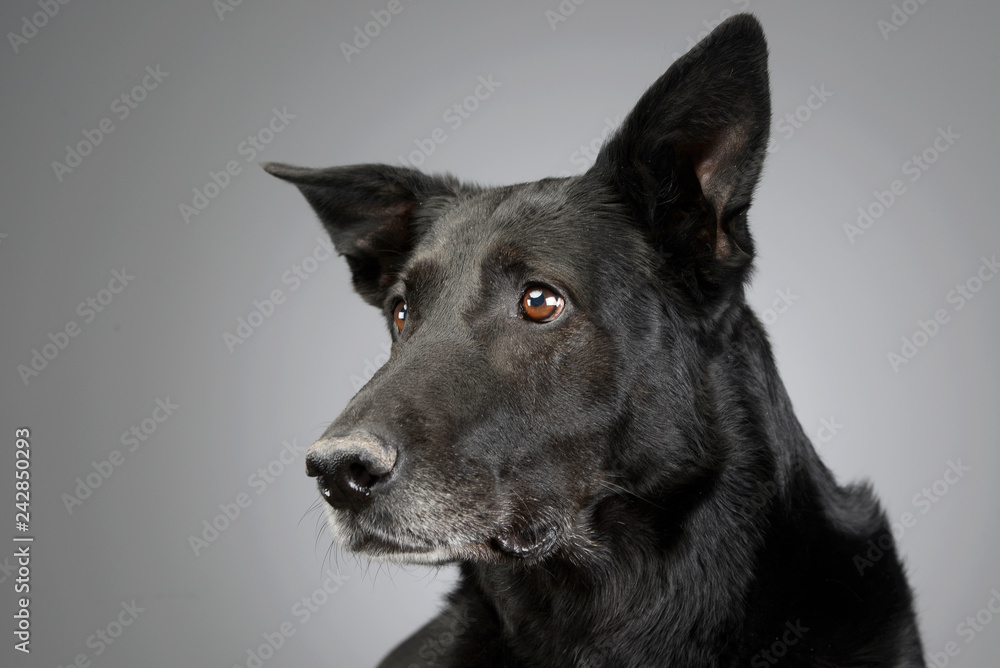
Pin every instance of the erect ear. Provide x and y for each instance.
(374, 214)
(688, 156)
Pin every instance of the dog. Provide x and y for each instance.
(583, 413)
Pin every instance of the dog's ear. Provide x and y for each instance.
(688, 156)
(373, 214)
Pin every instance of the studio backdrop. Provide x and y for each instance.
(176, 331)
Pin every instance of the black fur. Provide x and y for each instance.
(625, 485)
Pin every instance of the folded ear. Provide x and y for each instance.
(688, 156)
(374, 214)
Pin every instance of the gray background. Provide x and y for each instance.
(162, 337)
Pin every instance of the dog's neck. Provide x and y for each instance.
(686, 586)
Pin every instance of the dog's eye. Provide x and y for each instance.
(399, 315)
(541, 304)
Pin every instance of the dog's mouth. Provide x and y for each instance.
(526, 543)
(379, 546)
(407, 550)
(522, 544)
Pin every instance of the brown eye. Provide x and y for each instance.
(541, 304)
(399, 315)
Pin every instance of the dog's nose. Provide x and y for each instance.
(350, 468)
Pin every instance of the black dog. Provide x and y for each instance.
(582, 411)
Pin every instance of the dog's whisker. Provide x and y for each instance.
(628, 493)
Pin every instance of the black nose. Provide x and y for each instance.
(350, 468)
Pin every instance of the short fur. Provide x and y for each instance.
(625, 485)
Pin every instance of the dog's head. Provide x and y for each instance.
(535, 325)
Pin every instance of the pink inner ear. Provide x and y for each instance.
(710, 162)
(713, 157)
